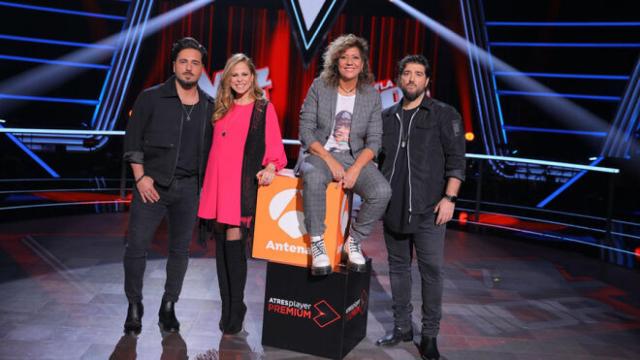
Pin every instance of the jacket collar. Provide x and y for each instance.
(426, 104)
(168, 89)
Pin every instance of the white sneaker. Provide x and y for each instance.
(320, 264)
(355, 259)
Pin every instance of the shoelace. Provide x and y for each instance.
(354, 247)
(317, 248)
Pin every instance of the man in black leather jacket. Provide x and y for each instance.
(167, 143)
(423, 159)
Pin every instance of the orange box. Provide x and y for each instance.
(280, 235)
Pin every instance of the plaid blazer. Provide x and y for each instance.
(318, 113)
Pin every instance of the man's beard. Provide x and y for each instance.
(411, 96)
(186, 84)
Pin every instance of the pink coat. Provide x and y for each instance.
(220, 197)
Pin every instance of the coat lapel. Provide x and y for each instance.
(334, 96)
(356, 107)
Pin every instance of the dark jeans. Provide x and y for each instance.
(179, 202)
(429, 245)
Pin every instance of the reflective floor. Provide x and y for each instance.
(61, 297)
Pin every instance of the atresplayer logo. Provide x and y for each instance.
(322, 313)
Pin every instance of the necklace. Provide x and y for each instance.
(345, 90)
(188, 112)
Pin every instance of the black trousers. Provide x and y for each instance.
(179, 202)
(428, 241)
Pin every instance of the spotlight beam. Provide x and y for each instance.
(557, 107)
(43, 78)
(46, 77)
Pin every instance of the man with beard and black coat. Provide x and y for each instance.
(422, 157)
(167, 143)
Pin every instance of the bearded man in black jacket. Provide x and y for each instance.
(423, 159)
(167, 143)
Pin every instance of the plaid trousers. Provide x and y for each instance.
(371, 186)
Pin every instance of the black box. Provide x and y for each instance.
(318, 315)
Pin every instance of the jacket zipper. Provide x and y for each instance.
(409, 163)
(395, 158)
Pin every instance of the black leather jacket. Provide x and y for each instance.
(435, 150)
(155, 128)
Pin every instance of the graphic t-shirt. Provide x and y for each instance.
(339, 139)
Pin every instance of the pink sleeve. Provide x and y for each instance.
(274, 149)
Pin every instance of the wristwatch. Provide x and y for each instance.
(451, 198)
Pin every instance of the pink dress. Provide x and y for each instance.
(220, 197)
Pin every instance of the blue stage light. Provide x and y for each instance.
(53, 62)
(32, 155)
(554, 131)
(48, 99)
(563, 76)
(564, 23)
(55, 42)
(563, 44)
(561, 95)
(61, 11)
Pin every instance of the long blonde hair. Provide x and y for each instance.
(330, 73)
(225, 94)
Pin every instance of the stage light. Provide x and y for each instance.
(469, 136)
(49, 76)
(463, 217)
(556, 105)
(637, 252)
(130, 112)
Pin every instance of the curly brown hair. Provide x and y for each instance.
(336, 48)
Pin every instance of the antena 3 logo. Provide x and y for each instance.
(283, 209)
(280, 234)
(290, 220)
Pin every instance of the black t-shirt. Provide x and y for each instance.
(397, 217)
(188, 153)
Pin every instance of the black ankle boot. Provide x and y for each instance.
(133, 323)
(236, 318)
(167, 317)
(236, 257)
(397, 335)
(429, 348)
(223, 280)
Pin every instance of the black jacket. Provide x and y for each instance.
(435, 150)
(155, 128)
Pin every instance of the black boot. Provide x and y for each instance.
(429, 348)
(223, 279)
(133, 323)
(167, 317)
(397, 335)
(236, 257)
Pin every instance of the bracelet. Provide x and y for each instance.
(140, 178)
(451, 198)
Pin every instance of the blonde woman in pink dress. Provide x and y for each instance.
(247, 151)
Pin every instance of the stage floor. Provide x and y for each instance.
(61, 297)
